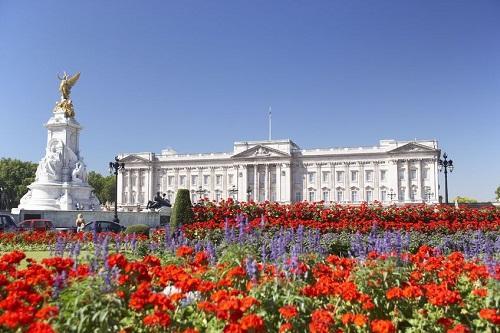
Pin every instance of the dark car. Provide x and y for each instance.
(7, 223)
(36, 225)
(103, 226)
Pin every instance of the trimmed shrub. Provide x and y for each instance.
(182, 213)
(139, 229)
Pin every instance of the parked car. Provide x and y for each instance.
(7, 223)
(103, 226)
(36, 225)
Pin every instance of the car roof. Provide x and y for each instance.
(36, 220)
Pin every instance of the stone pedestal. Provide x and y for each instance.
(61, 176)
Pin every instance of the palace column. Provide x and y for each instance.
(421, 188)
(318, 182)
(376, 181)
(331, 182)
(266, 183)
(224, 183)
(243, 183)
(278, 188)
(212, 183)
(255, 184)
(408, 181)
(347, 182)
(361, 181)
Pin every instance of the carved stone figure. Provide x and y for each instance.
(79, 174)
(50, 166)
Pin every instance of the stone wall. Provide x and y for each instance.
(67, 218)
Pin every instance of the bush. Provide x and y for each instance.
(139, 229)
(182, 212)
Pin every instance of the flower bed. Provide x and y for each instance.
(422, 292)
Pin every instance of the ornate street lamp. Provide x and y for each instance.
(114, 167)
(233, 191)
(391, 194)
(200, 193)
(446, 165)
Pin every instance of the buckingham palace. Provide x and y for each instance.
(279, 170)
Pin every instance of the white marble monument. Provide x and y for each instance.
(61, 177)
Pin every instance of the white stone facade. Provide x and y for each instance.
(278, 170)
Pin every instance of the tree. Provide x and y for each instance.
(497, 192)
(104, 187)
(182, 213)
(460, 199)
(15, 176)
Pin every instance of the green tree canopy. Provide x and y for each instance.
(460, 199)
(15, 176)
(104, 187)
(497, 192)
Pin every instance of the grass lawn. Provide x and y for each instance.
(39, 255)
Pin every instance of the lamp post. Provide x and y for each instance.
(391, 194)
(114, 167)
(233, 191)
(200, 192)
(445, 164)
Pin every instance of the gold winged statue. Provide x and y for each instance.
(67, 82)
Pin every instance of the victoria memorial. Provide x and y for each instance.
(279, 170)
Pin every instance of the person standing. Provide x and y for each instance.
(80, 223)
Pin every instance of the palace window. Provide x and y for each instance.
(125, 181)
(125, 197)
(218, 180)
(312, 177)
(369, 196)
(141, 197)
(231, 179)
(426, 172)
(413, 194)
(401, 193)
(326, 176)
(326, 196)
(401, 174)
(383, 175)
(369, 175)
(428, 193)
(312, 196)
(132, 180)
(170, 180)
(298, 196)
(354, 176)
(193, 197)
(132, 198)
(182, 180)
(413, 174)
(354, 196)
(194, 180)
(218, 196)
(340, 176)
(383, 195)
(273, 178)
(206, 179)
(340, 195)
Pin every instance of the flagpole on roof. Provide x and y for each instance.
(270, 124)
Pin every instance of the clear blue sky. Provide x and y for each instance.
(198, 75)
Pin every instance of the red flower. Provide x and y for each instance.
(252, 322)
(39, 327)
(184, 251)
(459, 329)
(157, 319)
(490, 315)
(288, 311)
(117, 259)
(285, 327)
(382, 326)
